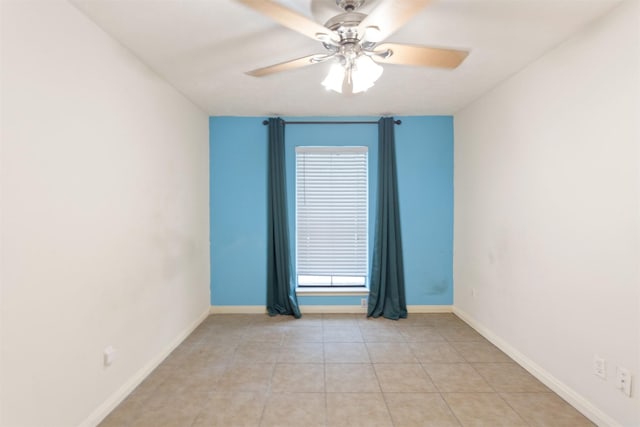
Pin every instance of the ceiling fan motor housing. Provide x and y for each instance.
(346, 26)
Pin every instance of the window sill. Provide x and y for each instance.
(332, 291)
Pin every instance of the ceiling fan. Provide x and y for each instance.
(353, 40)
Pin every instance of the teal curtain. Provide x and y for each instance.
(386, 294)
(281, 296)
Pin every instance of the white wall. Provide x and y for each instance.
(105, 216)
(547, 218)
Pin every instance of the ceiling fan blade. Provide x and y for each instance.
(289, 18)
(387, 18)
(289, 65)
(404, 54)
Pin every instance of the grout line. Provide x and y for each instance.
(326, 403)
(450, 409)
(512, 408)
(384, 397)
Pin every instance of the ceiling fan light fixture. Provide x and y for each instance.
(358, 75)
(372, 34)
(335, 78)
(365, 73)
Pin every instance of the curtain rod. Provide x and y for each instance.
(398, 122)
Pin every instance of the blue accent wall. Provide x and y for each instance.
(424, 153)
(424, 149)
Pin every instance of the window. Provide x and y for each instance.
(331, 216)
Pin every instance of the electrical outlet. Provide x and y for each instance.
(599, 367)
(473, 292)
(109, 355)
(363, 303)
(623, 380)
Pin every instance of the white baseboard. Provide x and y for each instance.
(304, 309)
(238, 309)
(101, 412)
(329, 309)
(567, 393)
(333, 309)
(430, 309)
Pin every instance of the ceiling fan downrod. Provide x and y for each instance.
(349, 5)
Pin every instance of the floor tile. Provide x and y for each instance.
(166, 393)
(224, 338)
(390, 353)
(301, 353)
(415, 319)
(420, 334)
(460, 333)
(306, 320)
(357, 410)
(379, 323)
(419, 410)
(342, 334)
(403, 378)
(165, 419)
(286, 409)
(509, 377)
(238, 409)
(345, 353)
(483, 409)
(218, 353)
(268, 320)
(250, 353)
(340, 320)
(230, 319)
(442, 320)
(293, 377)
(434, 352)
(179, 357)
(545, 410)
(203, 380)
(150, 385)
(351, 377)
(256, 377)
(370, 334)
(480, 351)
(302, 334)
(274, 334)
(125, 414)
(456, 377)
(171, 410)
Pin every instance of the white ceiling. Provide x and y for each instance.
(204, 47)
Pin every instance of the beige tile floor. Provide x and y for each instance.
(340, 370)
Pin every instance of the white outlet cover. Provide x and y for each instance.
(623, 380)
(599, 367)
(109, 355)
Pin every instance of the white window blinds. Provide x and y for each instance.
(331, 215)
